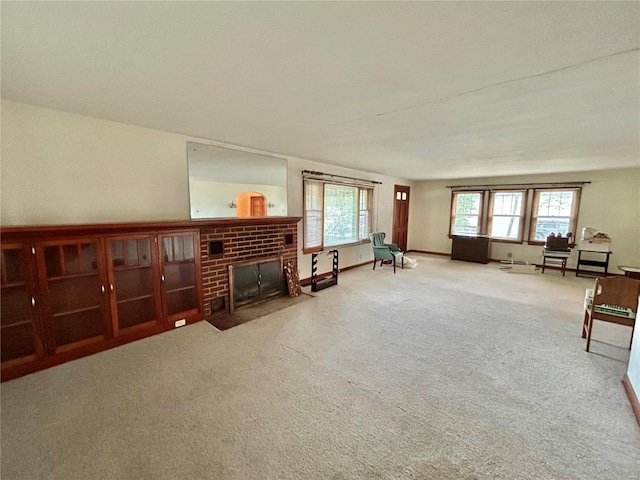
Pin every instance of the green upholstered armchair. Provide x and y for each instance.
(385, 251)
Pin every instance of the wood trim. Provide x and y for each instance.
(305, 282)
(305, 185)
(48, 231)
(481, 214)
(18, 361)
(137, 326)
(633, 398)
(80, 343)
(500, 240)
(307, 251)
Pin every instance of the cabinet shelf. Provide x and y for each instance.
(133, 299)
(13, 285)
(79, 310)
(75, 275)
(181, 289)
(17, 324)
(132, 267)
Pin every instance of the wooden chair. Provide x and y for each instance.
(612, 291)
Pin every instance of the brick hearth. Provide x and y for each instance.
(241, 244)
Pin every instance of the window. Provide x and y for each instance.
(335, 214)
(313, 210)
(506, 215)
(466, 213)
(553, 211)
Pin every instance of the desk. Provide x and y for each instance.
(593, 263)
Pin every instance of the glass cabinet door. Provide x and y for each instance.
(132, 274)
(19, 337)
(180, 263)
(71, 280)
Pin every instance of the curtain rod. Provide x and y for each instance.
(311, 172)
(515, 185)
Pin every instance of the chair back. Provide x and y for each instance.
(377, 239)
(619, 291)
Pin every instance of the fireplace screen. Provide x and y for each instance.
(255, 281)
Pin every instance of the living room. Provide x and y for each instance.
(98, 106)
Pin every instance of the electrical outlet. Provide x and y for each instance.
(180, 323)
(509, 254)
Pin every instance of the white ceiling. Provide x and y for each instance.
(417, 90)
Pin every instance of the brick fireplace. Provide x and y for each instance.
(241, 242)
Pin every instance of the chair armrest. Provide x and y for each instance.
(393, 246)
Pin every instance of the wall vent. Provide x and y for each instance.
(216, 248)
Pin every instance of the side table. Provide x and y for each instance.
(551, 257)
(631, 272)
(593, 263)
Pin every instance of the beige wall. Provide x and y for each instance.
(610, 203)
(62, 168)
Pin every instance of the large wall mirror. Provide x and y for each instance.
(230, 183)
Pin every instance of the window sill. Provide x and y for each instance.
(326, 248)
(504, 240)
(493, 239)
(475, 235)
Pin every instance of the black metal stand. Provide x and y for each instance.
(320, 284)
(593, 263)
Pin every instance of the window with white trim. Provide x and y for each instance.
(335, 214)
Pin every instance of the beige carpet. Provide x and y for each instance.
(449, 371)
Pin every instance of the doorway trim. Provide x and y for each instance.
(401, 194)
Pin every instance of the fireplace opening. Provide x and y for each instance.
(256, 281)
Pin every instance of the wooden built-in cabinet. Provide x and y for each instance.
(74, 303)
(21, 334)
(179, 274)
(134, 279)
(68, 296)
